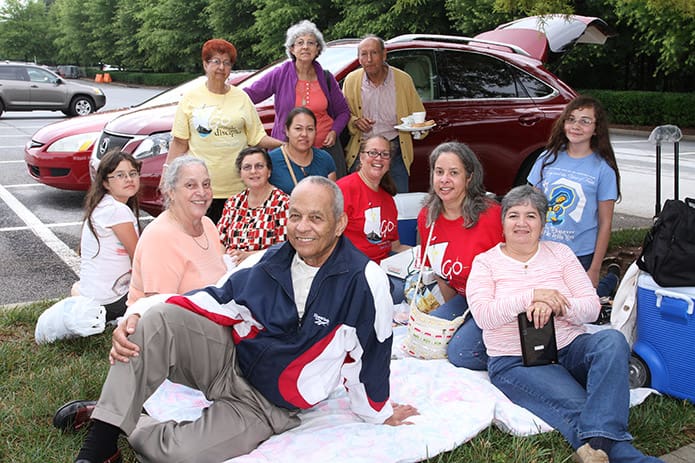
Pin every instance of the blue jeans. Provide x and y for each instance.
(607, 284)
(585, 395)
(466, 348)
(399, 173)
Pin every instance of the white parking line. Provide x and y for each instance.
(25, 185)
(49, 238)
(50, 225)
(14, 161)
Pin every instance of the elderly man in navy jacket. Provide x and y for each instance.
(271, 340)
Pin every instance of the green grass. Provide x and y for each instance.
(627, 237)
(36, 380)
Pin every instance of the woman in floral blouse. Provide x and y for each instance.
(256, 218)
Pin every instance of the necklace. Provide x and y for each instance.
(207, 242)
(195, 239)
(292, 160)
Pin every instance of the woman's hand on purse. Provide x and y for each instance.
(539, 314)
(553, 298)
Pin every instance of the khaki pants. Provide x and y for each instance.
(189, 349)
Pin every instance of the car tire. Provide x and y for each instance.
(81, 106)
(2, 108)
(639, 372)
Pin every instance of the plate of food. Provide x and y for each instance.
(416, 126)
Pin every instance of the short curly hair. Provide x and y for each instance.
(303, 27)
(220, 46)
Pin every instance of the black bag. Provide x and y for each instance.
(538, 345)
(668, 251)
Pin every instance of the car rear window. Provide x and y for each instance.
(472, 76)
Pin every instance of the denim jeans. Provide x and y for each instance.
(585, 395)
(466, 348)
(399, 173)
(607, 284)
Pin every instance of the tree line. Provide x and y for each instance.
(652, 51)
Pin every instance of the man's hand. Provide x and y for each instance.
(364, 124)
(400, 414)
(121, 348)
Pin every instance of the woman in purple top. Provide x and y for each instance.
(303, 82)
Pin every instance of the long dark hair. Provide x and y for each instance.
(600, 140)
(475, 201)
(97, 190)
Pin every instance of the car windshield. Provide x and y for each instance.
(173, 95)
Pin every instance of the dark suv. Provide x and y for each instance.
(28, 87)
(496, 97)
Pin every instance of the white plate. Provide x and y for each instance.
(410, 128)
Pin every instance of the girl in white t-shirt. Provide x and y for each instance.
(110, 233)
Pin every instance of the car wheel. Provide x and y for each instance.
(639, 372)
(2, 108)
(525, 169)
(81, 106)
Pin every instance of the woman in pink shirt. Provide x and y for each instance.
(585, 395)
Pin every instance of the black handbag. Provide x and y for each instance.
(668, 251)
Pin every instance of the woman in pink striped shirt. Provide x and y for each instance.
(585, 396)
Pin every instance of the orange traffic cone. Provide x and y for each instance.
(107, 78)
(98, 78)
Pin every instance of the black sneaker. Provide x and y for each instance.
(614, 269)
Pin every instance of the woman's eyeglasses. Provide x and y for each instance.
(585, 121)
(308, 43)
(217, 62)
(378, 154)
(250, 167)
(121, 176)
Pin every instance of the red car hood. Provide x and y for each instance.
(144, 121)
(541, 36)
(73, 126)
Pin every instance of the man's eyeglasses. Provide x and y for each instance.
(217, 62)
(378, 154)
(250, 167)
(121, 176)
(585, 121)
(308, 43)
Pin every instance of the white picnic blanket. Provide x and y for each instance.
(455, 404)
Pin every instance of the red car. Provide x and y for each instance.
(58, 154)
(495, 96)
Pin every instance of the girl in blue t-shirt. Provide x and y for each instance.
(579, 174)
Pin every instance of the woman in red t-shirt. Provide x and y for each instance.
(460, 222)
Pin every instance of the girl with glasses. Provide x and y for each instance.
(256, 218)
(579, 175)
(110, 232)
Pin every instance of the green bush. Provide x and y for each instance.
(153, 79)
(647, 108)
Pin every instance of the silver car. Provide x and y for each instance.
(29, 87)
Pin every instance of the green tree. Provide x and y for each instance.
(25, 31)
(172, 33)
(74, 36)
(389, 18)
(233, 21)
(664, 30)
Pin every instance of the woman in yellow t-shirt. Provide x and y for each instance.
(214, 122)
